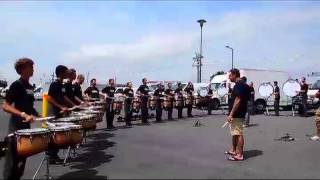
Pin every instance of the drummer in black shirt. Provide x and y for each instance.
(179, 94)
(22, 113)
(170, 94)
(58, 103)
(304, 95)
(92, 91)
(209, 100)
(109, 91)
(189, 90)
(129, 94)
(77, 90)
(159, 93)
(69, 92)
(276, 98)
(143, 91)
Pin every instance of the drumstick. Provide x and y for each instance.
(224, 125)
(45, 118)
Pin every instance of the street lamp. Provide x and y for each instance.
(231, 55)
(201, 22)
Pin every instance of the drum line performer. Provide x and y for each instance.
(189, 91)
(304, 95)
(78, 90)
(92, 91)
(108, 92)
(209, 100)
(129, 95)
(178, 93)
(159, 94)
(143, 92)
(69, 92)
(22, 113)
(57, 105)
(276, 93)
(170, 94)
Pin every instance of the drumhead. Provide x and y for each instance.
(203, 92)
(63, 124)
(67, 119)
(87, 117)
(290, 87)
(222, 91)
(265, 90)
(32, 131)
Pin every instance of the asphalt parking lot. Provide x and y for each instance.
(177, 149)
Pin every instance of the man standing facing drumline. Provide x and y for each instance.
(317, 119)
(109, 91)
(22, 113)
(237, 112)
(276, 98)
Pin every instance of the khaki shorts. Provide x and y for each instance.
(236, 127)
(317, 118)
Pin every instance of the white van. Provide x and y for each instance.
(258, 77)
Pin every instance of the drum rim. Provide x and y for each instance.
(290, 80)
(41, 131)
(266, 83)
(59, 128)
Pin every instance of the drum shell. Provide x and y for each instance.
(88, 124)
(76, 136)
(60, 139)
(136, 105)
(117, 106)
(189, 100)
(167, 103)
(28, 145)
(179, 102)
(152, 102)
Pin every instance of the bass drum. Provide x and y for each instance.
(290, 88)
(265, 90)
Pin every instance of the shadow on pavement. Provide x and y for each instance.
(82, 174)
(252, 153)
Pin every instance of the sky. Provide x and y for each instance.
(129, 40)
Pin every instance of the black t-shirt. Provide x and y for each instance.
(129, 93)
(69, 91)
(56, 91)
(304, 87)
(189, 90)
(240, 90)
(144, 89)
(178, 91)
(169, 92)
(158, 93)
(109, 90)
(92, 92)
(277, 90)
(77, 90)
(21, 94)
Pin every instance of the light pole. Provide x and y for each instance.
(201, 22)
(231, 55)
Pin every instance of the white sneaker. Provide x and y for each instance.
(315, 138)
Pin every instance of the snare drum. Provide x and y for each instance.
(152, 102)
(167, 103)
(117, 106)
(179, 101)
(189, 100)
(98, 114)
(31, 141)
(136, 104)
(60, 136)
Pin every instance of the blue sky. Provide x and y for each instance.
(158, 39)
